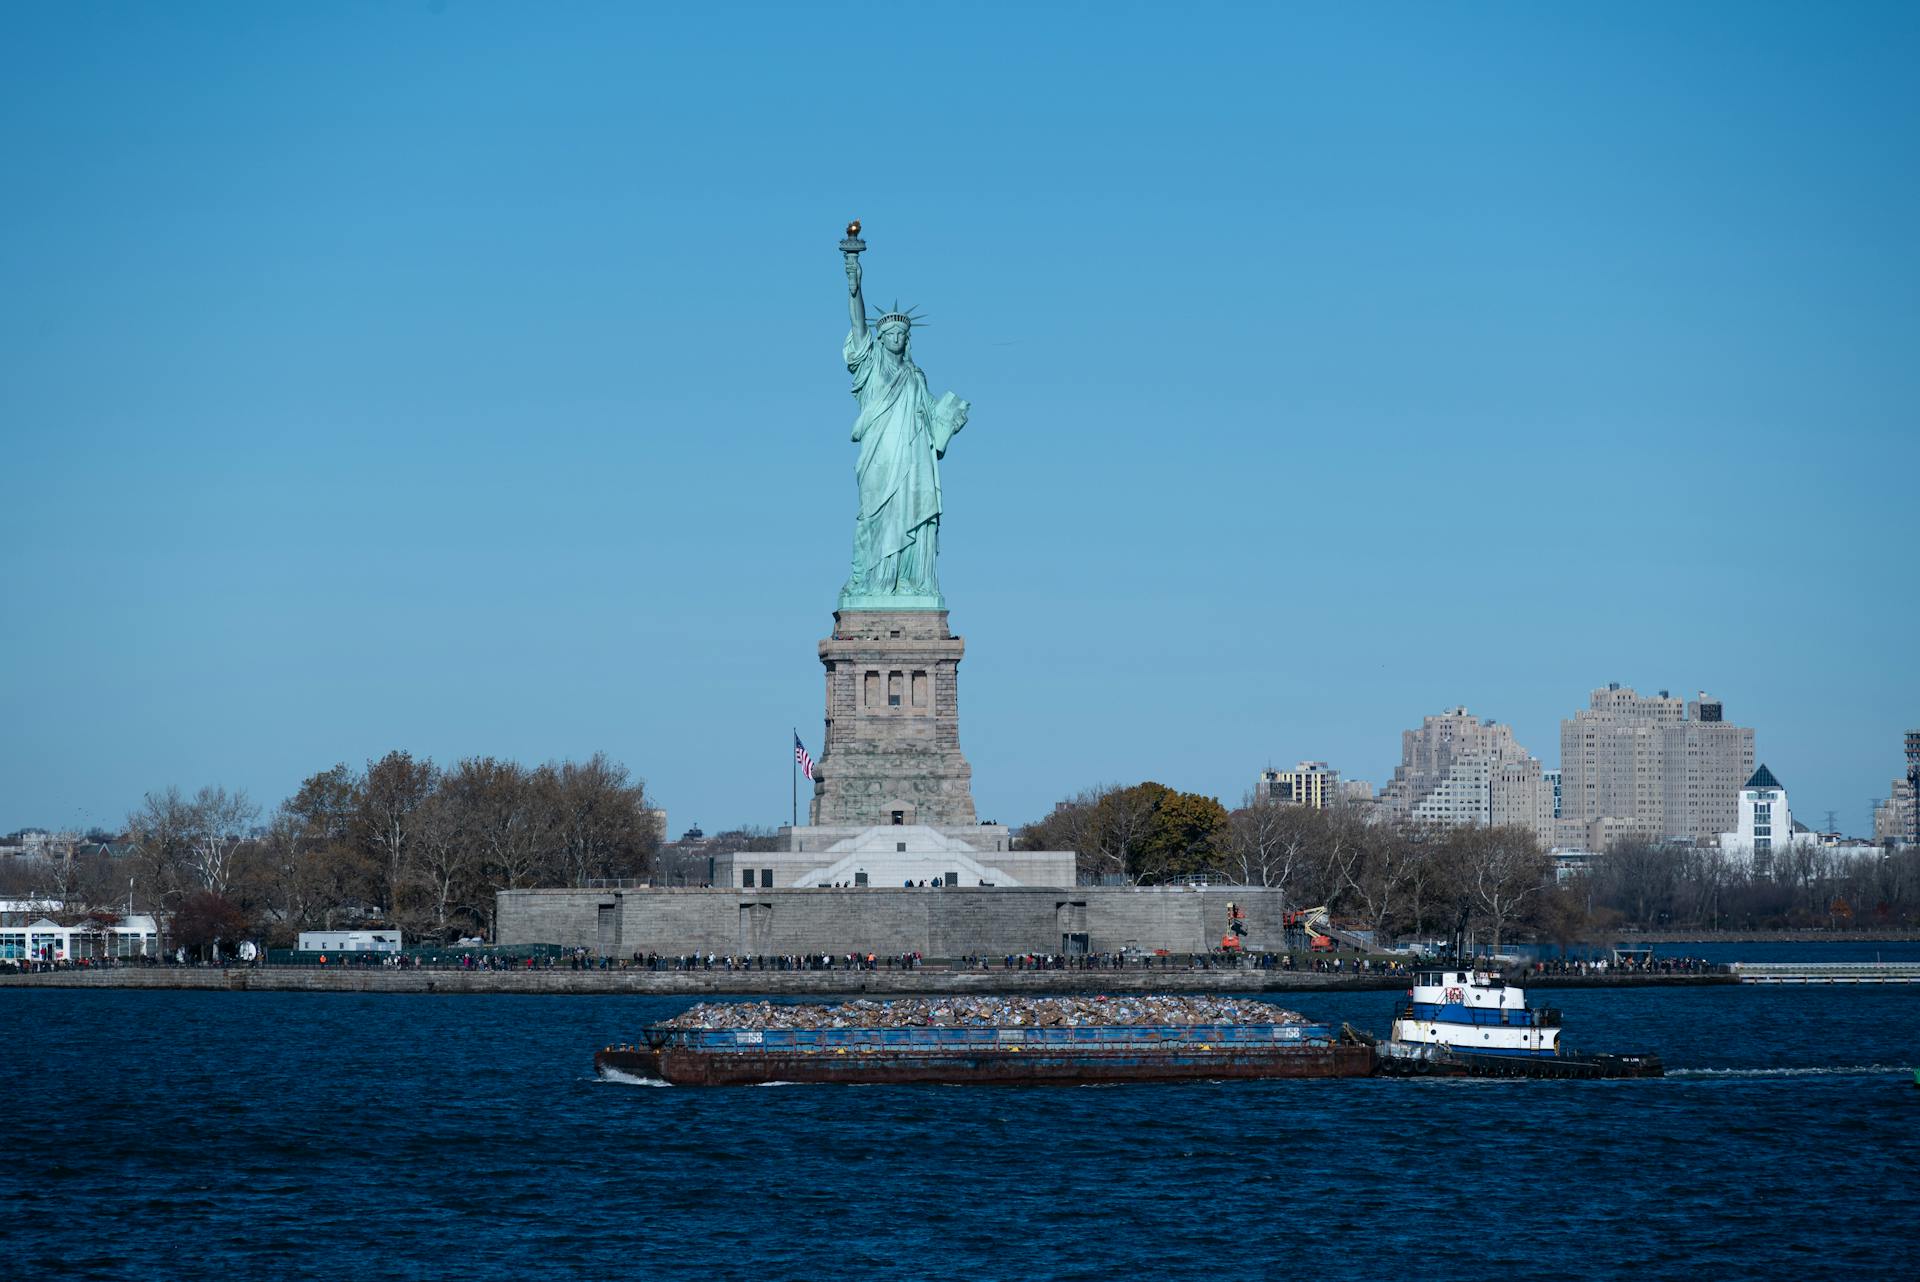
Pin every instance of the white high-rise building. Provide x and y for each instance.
(1458, 769)
(1766, 824)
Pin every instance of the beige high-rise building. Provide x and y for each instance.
(1893, 818)
(1458, 769)
(1653, 767)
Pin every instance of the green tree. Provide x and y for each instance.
(1183, 837)
(1143, 832)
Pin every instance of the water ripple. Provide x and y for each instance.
(293, 1135)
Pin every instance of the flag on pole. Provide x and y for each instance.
(800, 755)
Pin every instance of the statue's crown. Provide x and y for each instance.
(908, 317)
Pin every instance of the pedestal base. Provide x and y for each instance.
(891, 604)
(891, 754)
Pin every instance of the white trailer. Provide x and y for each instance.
(351, 941)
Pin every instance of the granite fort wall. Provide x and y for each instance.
(937, 923)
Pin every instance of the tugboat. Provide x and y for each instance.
(1472, 1023)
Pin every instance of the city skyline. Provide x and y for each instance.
(358, 400)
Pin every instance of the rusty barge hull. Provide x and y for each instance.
(1065, 1067)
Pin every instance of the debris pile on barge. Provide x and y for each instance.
(987, 1039)
(986, 1012)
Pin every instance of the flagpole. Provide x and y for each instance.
(793, 765)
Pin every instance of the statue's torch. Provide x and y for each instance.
(853, 246)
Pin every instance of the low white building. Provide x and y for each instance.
(351, 941)
(45, 940)
(1765, 825)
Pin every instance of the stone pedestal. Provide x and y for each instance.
(891, 753)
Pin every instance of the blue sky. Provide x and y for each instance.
(466, 378)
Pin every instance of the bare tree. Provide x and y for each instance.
(1102, 825)
(596, 817)
(291, 880)
(158, 831)
(1433, 873)
(493, 805)
(442, 861)
(1376, 867)
(1702, 876)
(1267, 843)
(217, 823)
(1119, 827)
(389, 800)
(1509, 868)
(1641, 876)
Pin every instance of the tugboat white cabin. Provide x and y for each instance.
(1474, 1010)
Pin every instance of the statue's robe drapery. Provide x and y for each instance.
(902, 432)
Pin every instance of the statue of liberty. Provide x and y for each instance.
(902, 433)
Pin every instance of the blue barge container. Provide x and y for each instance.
(1022, 1055)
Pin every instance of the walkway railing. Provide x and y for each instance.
(1828, 972)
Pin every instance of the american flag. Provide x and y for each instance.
(800, 755)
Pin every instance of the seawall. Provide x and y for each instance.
(823, 984)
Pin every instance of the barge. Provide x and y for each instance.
(1008, 1055)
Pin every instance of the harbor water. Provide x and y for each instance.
(268, 1135)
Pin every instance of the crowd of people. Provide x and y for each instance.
(777, 961)
(36, 965)
(1631, 965)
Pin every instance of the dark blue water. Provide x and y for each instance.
(191, 1135)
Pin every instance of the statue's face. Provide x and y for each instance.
(894, 338)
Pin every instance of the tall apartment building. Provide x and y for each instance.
(1893, 819)
(1651, 768)
(1898, 817)
(1458, 769)
(1311, 783)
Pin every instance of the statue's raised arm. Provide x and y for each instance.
(856, 303)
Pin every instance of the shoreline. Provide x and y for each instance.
(927, 982)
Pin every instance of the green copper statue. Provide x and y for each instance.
(902, 433)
